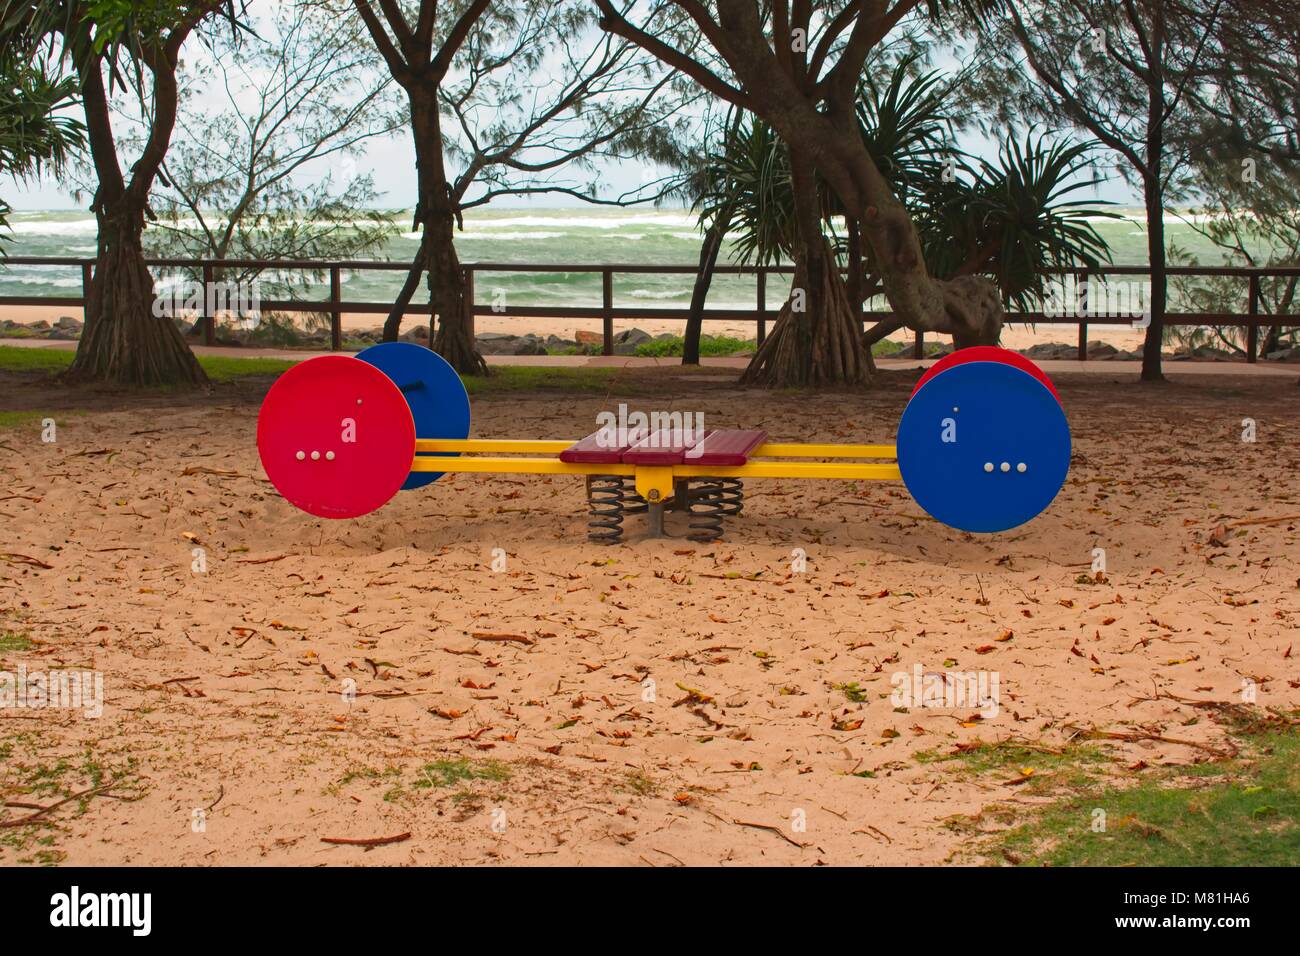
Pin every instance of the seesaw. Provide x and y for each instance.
(983, 446)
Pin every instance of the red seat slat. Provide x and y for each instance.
(726, 447)
(664, 447)
(598, 449)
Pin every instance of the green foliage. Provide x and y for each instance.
(284, 103)
(713, 345)
(1010, 220)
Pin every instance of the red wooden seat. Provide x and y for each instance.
(664, 447)
(598, 449)
(726, 447)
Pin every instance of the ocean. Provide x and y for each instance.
(526, 235)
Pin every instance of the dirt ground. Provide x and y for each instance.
(658, 702)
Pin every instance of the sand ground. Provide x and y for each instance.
(231, 733)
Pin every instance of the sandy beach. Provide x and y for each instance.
(1014, 336)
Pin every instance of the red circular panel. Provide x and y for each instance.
(986, 353)
(336, 437)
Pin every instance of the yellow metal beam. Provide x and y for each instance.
(517, 466)
(510, 446)
(656, 475)
(796, 450)
(495, 446)
(845, 470)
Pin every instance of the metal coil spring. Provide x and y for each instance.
(732, 492)
(609, 498)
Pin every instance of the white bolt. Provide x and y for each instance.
(358, 401)
(301, 455)
(988, 466)
(329, 456)
(1006, 466)
(1021, 467)
(315, 456)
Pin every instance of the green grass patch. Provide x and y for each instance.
(13, 641)
(710, 345)
(223, 368)
(14, 358)
(19, 419)
(446, 773)
(220, 368)
(528, 378)
(1239, 812)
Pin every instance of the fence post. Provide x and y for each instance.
(87, 279)
(209, 320)
(762, 304)
(918, 345)
(336, 313)
(469, 305)
(1081, 313)
(1252, 331)
(607, 304)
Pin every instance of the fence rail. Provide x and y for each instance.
(1252, 320)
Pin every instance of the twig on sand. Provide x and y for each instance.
(367, 841)
(1250, 521)
(760, 826)
(278, 557)
(24, 559)
(33, 817)
(502, 638)
(1135, 736)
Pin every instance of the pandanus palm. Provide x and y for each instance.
(1009, 220)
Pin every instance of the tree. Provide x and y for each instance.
(1245, 161)
(511, 133)
(803, 80)
(257, 111)
(110, 43)
(1129, 73)
(33, 136)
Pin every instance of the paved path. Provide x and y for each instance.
(1171, 367)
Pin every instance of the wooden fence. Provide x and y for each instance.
(607, 312)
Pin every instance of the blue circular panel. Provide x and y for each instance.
(983, 446)
(433, 390)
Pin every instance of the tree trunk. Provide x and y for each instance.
(817, 337)
(436, 218)
(123, 342)
(713, 237)
(1151, 345)
(393, 324)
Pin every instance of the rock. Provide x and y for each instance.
(529, 345)
(1050, 351)
(68, 323)
(555, 344)
(418, 334)
(502, 343)
(1101, 350)
(1284, 355)
(583, 337)
(625, 342)
(63, 334)
(40, 325)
